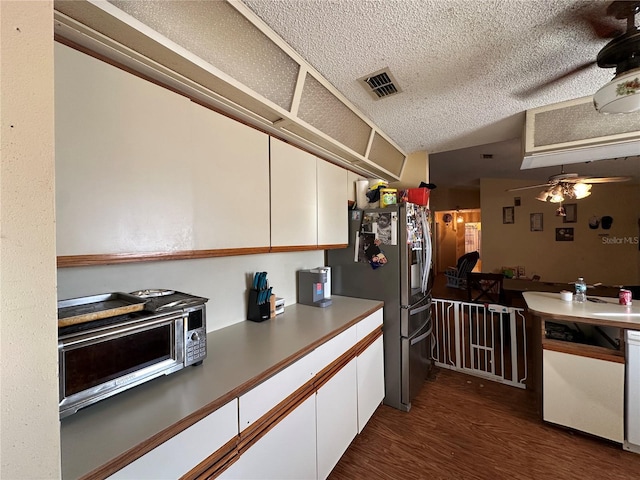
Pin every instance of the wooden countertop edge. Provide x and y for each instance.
(130, 455)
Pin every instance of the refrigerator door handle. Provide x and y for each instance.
(419, 338)
(418, 302)
(420, 309)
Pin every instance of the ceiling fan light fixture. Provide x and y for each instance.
(620, 95)
(581, 190)
(556, 194)
(542, 196)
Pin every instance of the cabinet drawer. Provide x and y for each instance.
(331, 350)
(181, 453)
(259, 400)
(369, 324)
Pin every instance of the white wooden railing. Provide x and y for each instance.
(485, 340)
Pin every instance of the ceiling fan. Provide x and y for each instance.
(568, 185)
(622, 93)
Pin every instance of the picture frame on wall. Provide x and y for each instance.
(508, 215)
(535, 222)
(571, 210)
(564, 234)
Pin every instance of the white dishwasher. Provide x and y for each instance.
(632, 399)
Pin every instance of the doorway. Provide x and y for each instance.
(456, 232)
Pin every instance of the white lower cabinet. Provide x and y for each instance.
(287, 451)
(584, 393)
(262, 398)
(181, 453)
(336, 417)
(370, 372)
(306, 443)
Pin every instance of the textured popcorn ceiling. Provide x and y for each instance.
(462, 65)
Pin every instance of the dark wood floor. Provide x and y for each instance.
(463, 427)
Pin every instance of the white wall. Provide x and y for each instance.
(30, 436)
(224, 281)
(416, 170)
(589, 255)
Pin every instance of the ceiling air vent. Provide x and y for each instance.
(380, 84)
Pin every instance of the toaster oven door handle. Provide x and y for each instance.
(121, 331)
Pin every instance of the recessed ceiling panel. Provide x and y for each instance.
(320, 108)
(204, 28)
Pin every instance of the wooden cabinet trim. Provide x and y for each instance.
(113, 258)
(367, 341)
(216, 463)
(67, 261)
(582, 350)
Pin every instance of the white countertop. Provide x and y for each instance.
(550, 304)
(238, 357)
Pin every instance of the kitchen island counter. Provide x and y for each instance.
(239, 357)
(609, 313)
(581, 361)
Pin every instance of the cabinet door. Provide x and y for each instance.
(123, 169)
(584, 393)
(293, 196)
(179, 454)
(287, 451)
(231, 182)
(336, 417)
(333, 225)
(370, 381)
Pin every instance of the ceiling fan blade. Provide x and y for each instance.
(601, 22)
(537, 88)
(605, 179)
(544, 185)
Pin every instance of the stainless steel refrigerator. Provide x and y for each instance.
(403, 280)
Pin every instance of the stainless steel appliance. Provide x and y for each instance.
(313, 287)
(632, 393)
(100, 358)
(403, 281)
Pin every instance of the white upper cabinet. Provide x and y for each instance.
(231, 175)
(122, 172)
(308, 199)
(142, 169)
(332, 204)
(294, 218)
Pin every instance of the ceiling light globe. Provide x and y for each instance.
(556, 198)
(581, 190)
(542, 196)
(621, 95)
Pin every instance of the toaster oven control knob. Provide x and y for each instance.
(195, 336)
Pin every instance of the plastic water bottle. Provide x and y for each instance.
(581, 290)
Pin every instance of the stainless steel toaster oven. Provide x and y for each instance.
(101, 358)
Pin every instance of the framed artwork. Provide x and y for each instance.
(564, 234)
(571, 209)
(535, 220)
(508, 215)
